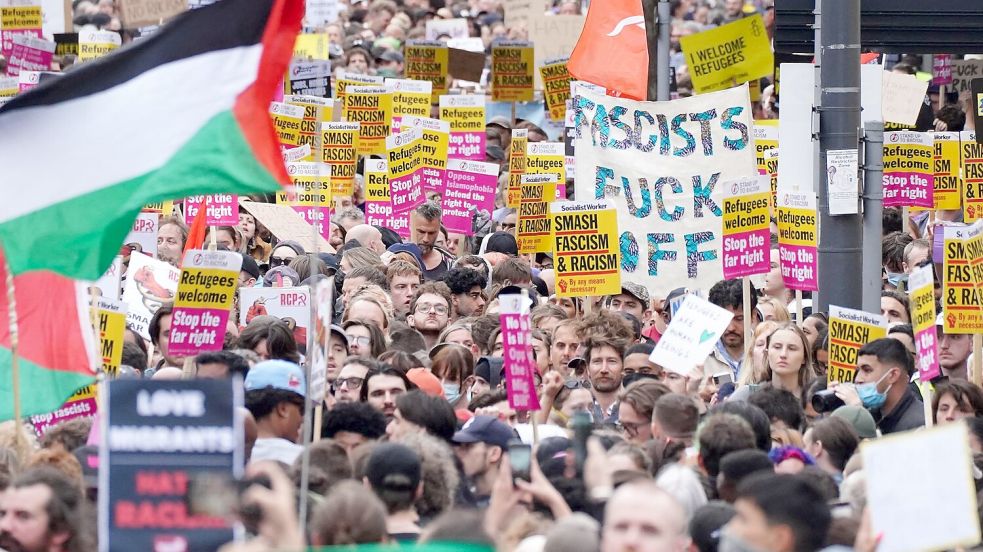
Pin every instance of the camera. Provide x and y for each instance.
(826, 401)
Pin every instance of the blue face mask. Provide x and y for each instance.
(896, 278)
(452, 392)
(871, 397)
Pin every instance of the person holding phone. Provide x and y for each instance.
(480, 445)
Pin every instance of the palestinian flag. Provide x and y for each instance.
(183, 112)
(56, 345)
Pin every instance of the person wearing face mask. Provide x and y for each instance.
(454, 365)
(881, 386)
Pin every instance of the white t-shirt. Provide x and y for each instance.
(275, 448)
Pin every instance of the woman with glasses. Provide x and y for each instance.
(364, 338)
(284, 252)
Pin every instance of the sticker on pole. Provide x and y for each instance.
(689, 338)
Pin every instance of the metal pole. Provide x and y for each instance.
(665, 29)
(840, 252)
(873, 199)
(652, 25)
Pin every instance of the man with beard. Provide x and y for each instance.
(382, 385)
(605, 369)
(467, 286)
(41, 511)
(728, 353)
(430, 311)
(425, 222)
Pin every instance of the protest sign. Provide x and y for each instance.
(662, 167)
(548, 158)
(339, 149)
(378, 206)
(9, 87)
(971, 168)
(404, 156)
(466, 116)
(346, 79)
(909, 169)
(300, 153)
(585, 248)
(470, 193)
(138, 13)
(512, 71)
(435, 135)
(517, 353)
(290, 304)
(849, 330)
(149, 284)
(18, 20)
(554, 36)
(437, 29)
(287, 121)
(765, 138)
(960, 299)
(901, 97)
(948, 182)
(428, 61)
(204, 297)
(319, 13)
(798, 238)
(82, 404)
(517, 12)
(937, 510)
(517, 165)
(728, 55)
(372, 108)
(66, 44)
(312, 46)
(111, 316)
(556, 88)
(842, 188)
(143, 234)
(158, 437)
(164, 208)
(109, 285)
(220, 209)
(963, 72)
(308, 78)
(312, 195)
(316, 111)
(286, 224)
(691, 335)
(922, 298)
(95, 44)
(746, 227)
(410, 97)
(30, 53)
(532, 230)
(942, 69)
(465, 65)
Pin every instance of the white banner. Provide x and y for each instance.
(663, 165)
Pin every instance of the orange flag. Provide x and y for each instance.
(612, 50)
(196, 235)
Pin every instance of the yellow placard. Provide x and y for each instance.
(95, 44)
(345, 79)
(428, 61)
(316, 111)
(728, 55)
(165, 208)
(287, 122)
(310, 182)
(765, 138)
(312, 46)
(19, 18)
(533, 226)
(586, 253)
(112, 325)
(548, 158)
(339, 149)
(513, 72)
(372, 108)
(436, 140)
(960, 298)
(410, 97)
(948, 183)
(771, 165)
(376, 181)
(797, 227)
(517, 165)
(206, 288)
(556, 88)
(849, 330)
(971, 169)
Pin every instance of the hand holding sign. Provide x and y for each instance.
(691, 335)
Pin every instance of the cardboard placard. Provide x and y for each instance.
(728, 55)
(464, 65)
(137, 13)
(902, 97)
(692, 334)
(284, 223)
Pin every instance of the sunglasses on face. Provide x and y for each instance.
(278, 261)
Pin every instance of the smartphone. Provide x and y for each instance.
(722, 378)
(520, 456)
(583, 425)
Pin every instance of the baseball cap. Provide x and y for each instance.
(340, 332)
(394, 467)
(499, 121)
(282, 375)
(411, 248)
(485, 429)
(249, 266)
(426, 381)
(637, 291)
(390, 56)
(860, 419)
(502, 242)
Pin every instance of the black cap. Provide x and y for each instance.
(485, 429)
(489, 369)
(250, 267)
(394, 467)
(706, 523)
(502, 242)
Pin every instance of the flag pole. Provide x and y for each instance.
(19, 438)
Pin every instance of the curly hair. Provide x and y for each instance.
(440, 477)
(353, 417)
(461, 280)
(729, 293)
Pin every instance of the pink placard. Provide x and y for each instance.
(942, 69)
(466, 145)
(82, 408)
(910, 189)
(7, 38)
(30, 54)
(380, 213)
(470, 188)
(746, 253)
(220, 209)
(318, 217)
(204, 330)
(927, 359)
(520, 363)
(798, 265)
